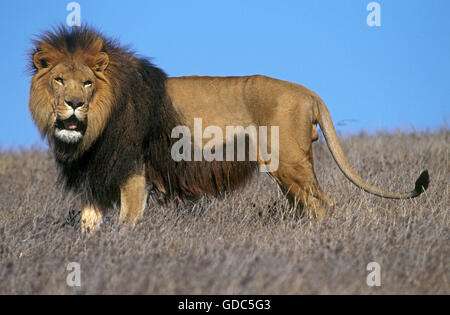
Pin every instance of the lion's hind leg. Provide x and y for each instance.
(299, 182)
(300, 185)
(295, 173)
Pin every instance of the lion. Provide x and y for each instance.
(108, 116)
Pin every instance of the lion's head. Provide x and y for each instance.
(70, 95)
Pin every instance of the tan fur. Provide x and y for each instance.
(133, 197)
(261, 101)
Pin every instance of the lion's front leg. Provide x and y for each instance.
(133, 197)
(91, 218)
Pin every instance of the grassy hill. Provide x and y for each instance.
(246, 243)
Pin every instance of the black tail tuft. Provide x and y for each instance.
(422, 183)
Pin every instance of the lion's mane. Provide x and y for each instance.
(130, 120)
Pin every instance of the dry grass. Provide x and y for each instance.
(246, 243)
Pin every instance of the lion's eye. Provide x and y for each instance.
(60, 81)
(87, 83)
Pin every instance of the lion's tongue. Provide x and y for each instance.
(70, 125)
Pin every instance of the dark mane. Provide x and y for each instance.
(69, 40)
(133, 134)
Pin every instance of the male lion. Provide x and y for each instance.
(108, 116)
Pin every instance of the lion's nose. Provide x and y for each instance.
(75, 103)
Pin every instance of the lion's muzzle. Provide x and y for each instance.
(70, 122)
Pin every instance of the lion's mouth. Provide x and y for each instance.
(69, 130)
(70, 124)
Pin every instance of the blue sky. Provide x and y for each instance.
(396, 76)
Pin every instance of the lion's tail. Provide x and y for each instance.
(326, 125)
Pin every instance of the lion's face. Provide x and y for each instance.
(72, 87)
(70, 95)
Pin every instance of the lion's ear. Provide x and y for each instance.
(46, 56)
(102, 62)
(40, 61)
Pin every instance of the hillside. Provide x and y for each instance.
(246, 243)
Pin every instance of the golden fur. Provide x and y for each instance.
(130, 107)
